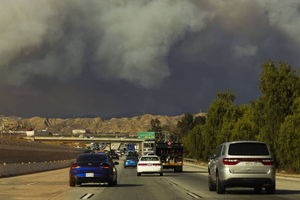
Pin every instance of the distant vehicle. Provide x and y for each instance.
(132, 153)
(242, 164)
(130, 161)
(130, 147)
(149, 164)
(171, 155)
(94, 168)
(113, 154)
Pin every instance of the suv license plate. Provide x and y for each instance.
(149, 164)
(89, 174)
(251, 163)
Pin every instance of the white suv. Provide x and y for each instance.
(242, 164)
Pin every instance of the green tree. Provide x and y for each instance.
(185, 124)
(157, 128)
(279, 87)
(222, 113)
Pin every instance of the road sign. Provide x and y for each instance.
(146, 135)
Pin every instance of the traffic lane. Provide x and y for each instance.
(194, 179)
(146, 187)
(45, 185)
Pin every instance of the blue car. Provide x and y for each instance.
(130, 161)
(93, 168)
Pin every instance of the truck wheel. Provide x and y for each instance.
(138, 174)
(220, 186)
(178, 169)
(161, 174)
(257, 189)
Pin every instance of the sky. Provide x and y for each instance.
(121, 58)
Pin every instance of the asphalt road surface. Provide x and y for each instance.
(191, 184)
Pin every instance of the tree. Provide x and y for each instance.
(185, 124)
(221, 111)
(156, 127)
(279, 87)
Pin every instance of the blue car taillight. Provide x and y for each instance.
(105, 166)
(73, 166)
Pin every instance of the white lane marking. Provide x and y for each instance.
(32, 183)
(193, 195)
(87, 196)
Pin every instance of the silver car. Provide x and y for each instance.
(242, 164)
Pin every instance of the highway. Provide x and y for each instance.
(191, 184)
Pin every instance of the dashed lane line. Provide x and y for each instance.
(87, 196)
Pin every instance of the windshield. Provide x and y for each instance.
(149, 159)
(92, 158)
(254, 149)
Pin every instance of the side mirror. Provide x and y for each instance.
(116, 163)
(211, 157)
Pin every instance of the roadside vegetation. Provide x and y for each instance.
(273, 118)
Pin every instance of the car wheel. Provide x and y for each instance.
(220, 188)
(161, 174)
(138, 174)
(111, 182)
(257, 189)
(115, 182)
(72, 182)
(211, 185)
(270, 189)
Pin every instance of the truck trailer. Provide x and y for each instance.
(171, 155)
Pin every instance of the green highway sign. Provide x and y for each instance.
(146, 135)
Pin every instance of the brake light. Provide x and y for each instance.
(74, 166)
(230, 161)
(267, 161)
(105, 165)
(156, 164)
(142, 164)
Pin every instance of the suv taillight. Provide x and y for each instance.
(230, 161)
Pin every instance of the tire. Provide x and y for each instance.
(161, 174)
(178, 169)
(111, 182)
(115, 182)
(220, 188)
(138, 174)
(72, 182)
(211, 184)
(270, 189)
(257, 189)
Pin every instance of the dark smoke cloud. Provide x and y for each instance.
(113, 58)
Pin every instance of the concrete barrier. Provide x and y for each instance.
(13, 169)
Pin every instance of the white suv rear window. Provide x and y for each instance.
(251, 149)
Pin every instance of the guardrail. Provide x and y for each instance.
(190, 160)
(13, 169)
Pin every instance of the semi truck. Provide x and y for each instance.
(171, 155)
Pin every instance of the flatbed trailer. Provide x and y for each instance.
(171, 155)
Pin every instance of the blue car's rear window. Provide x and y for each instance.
(92, 157)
